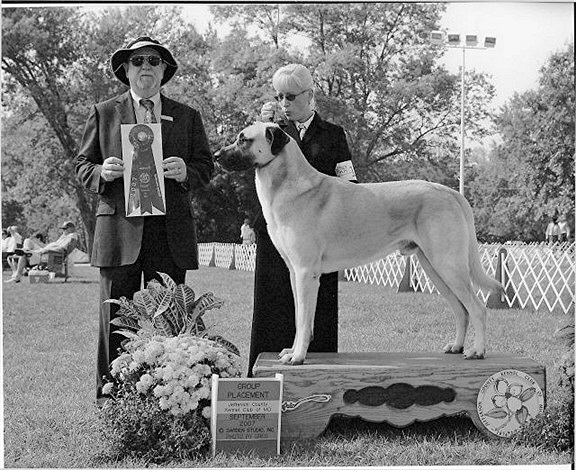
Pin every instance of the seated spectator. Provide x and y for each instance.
(14, 243)
(29, 255)
(31, 247)
(66, 243)
(5, 237)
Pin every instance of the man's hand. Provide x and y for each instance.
(175, 168)
(112, 168)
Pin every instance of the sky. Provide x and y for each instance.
(527, 33)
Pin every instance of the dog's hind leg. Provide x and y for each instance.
(460, 313)
(306, 285)
(453, 271)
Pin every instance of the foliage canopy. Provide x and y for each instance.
(375, 72)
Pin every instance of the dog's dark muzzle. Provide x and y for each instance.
(232, 159)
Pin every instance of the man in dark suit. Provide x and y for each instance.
(129, 248)
(324, 146)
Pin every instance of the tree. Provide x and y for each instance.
(265, 17)
(376, 75)
(530, 176)
(39, 54)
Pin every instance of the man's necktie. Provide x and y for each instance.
(149, 117)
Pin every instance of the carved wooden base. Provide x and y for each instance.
(498, 393)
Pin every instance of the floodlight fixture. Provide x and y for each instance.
(436, 37)
(489, 42)
(453, 39)
(471, 40)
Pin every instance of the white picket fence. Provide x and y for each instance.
(538, 275)
(227, 255)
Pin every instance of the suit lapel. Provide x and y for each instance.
(125, 109)
(313, 127)
(292, 131)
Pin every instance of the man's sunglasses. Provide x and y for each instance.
(138, 60)
(289, 96)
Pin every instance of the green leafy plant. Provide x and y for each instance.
(167, 309)
(554, 428)
(161, 384)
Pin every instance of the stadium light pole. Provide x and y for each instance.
(470, 42)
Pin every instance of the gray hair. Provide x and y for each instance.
(293, 76)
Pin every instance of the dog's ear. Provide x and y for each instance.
(277, 139)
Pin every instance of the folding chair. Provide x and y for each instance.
(55, 262)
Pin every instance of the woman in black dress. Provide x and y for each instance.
(324, 146)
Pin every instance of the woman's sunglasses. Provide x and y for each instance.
(289, 96)
(138, 60)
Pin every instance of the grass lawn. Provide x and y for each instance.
(50, 417)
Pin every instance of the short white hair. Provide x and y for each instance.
(293, 76)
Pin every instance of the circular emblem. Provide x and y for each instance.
(144, 178)
(508, 400)
(142, 136)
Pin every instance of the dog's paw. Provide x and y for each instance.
(453, 349)
(473, 354)
(291, 359)
(286, 352)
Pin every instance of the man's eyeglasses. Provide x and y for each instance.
(138, 60)
(288, 96)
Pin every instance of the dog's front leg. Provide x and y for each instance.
(305, 286)
(287, 351)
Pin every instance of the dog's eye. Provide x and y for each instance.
(242, 140)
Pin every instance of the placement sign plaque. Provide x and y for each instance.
(143, 174)
(246, 414)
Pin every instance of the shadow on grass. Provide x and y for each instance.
(77, 281)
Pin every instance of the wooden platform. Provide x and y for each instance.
(497, 393)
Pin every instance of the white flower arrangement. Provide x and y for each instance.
(177, 371)
(159, 407)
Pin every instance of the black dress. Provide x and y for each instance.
(273, 324)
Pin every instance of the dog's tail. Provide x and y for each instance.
(477, 273)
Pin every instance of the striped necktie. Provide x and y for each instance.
(149, 117)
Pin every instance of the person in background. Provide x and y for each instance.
(29, 257)
(552, 230)
(65, 243)
(5, 236)
(132, 250)
(5, 242)
(13, 244)
(324, 146)
(247, 233)
(563, 229)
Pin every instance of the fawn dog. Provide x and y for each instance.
(322, 224)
